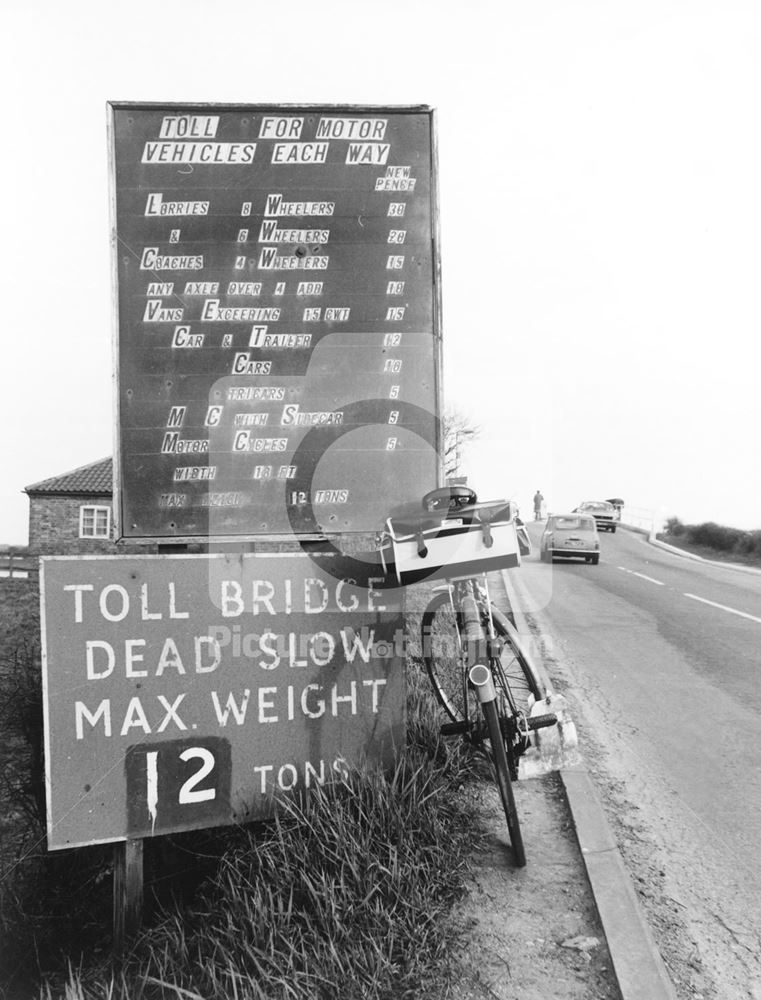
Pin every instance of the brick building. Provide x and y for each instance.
(72, 514)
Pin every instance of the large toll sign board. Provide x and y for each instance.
(278, 317)
(189, 691)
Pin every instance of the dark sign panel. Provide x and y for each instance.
(185, 691)
(278, 344)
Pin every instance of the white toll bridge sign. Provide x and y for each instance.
(185, 691)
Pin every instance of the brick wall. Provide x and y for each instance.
(54, 528)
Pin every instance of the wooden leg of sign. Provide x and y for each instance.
(128, 892)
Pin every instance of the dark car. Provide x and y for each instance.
(605, 513)
(570, 536)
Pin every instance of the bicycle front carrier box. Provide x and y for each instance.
(481, 679)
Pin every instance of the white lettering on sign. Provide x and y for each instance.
(244, 442)
(244, 288)
(155, 205)
(243, 365)
(314, 701)
(331, 496)
(211, 312)
(255, 392)
(194, 472)
(160, 288)
(223, 500)
(281, 128)
(337, 314)
(152, 260)
(189, 126)
(312, 314)
(260, 338)
(311, 595)
(215, 153)
(111, 614)
(351, 128)
(270, 260)
(134, 717)
(250, 419)
(372, 153)
(156, 313)
(309, 288)
(201, 287)
(269, 233)
(174, 444)
(300, 152)
(293, 416)
(173, 500)
(176, 416)
(182, 337)
(276, 206)
(287, 777)
(395, 183)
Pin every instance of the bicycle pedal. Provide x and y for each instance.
(542, 721)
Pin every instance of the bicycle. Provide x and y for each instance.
(474, 656)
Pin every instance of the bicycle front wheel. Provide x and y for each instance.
(516, 665)
(501, 766)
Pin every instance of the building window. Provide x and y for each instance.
(94, 522)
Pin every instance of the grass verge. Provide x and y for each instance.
(714, 541)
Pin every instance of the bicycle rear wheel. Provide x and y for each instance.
(440, 639)
(441, 645)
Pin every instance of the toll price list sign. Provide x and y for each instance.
(183, 692)
(277, 299)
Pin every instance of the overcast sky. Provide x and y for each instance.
(600, 176)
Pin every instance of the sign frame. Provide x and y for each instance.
(122, 531)
(347, 700)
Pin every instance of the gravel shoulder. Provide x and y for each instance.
(531, 933)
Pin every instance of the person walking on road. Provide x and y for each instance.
(538, 501)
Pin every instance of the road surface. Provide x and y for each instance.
(661, 659)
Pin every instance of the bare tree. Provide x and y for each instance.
(458, 431)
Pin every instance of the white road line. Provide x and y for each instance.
(732, 611)
(642, 576)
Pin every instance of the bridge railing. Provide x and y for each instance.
(650, 520)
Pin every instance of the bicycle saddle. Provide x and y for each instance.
(449, 498)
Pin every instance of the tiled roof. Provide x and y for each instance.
(94, 478)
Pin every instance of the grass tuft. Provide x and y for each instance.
(344, 894)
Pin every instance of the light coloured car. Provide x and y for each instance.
(570, 536)
(605, 513)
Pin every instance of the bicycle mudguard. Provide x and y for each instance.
(425, 545)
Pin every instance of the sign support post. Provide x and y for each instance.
(128, 892)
